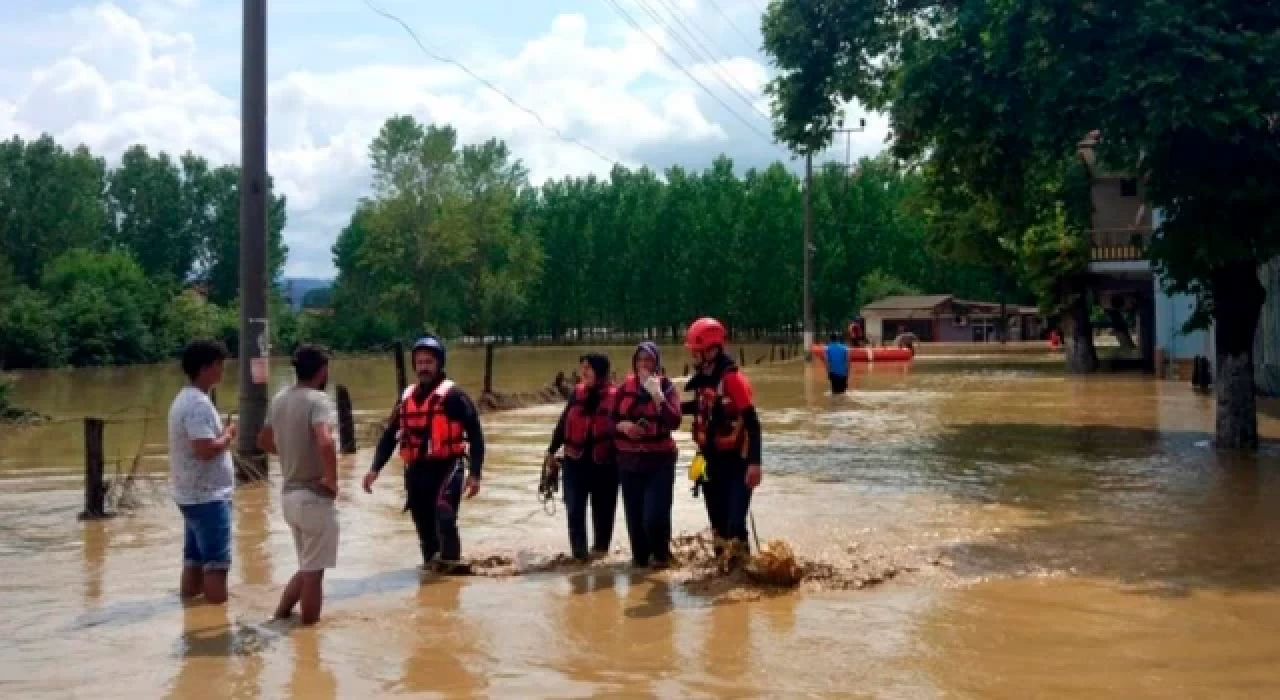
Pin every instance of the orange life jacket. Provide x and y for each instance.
(719, 421)
(582, 428)
(426, 433)
(630, 408)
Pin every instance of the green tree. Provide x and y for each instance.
(105, 305)
(219, 263)
(878, 285)
(30, 332)
(145, 203)
(318, 298)
(50, 201)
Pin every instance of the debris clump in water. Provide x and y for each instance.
(775, 568)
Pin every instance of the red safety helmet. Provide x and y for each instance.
(704, 334)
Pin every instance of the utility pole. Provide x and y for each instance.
(808, 256)
(255, 339)
(808, 232)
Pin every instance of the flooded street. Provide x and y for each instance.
(1048, 537)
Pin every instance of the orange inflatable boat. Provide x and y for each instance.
(869, 354)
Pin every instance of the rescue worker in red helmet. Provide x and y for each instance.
(646, 414)
(437, 428)
(726, 430)
(590, 473)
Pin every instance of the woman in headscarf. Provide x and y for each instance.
(647, 413)
(586, 431)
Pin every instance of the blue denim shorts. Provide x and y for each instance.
(207, 535)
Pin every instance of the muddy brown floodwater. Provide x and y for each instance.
(1042, 537)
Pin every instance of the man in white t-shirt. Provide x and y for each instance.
(201, 474)
(299, 428)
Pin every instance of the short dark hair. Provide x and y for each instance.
(201, 353)
(835, 337)
(308, 360)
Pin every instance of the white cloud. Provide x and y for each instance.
(116, 77)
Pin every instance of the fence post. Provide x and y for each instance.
(346, 423)
(742, 356)
(401, 379)
(488, 368)
(95, 489)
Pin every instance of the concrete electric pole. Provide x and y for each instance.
(255, 338)
(808, 232)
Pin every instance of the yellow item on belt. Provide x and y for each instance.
(698, 468)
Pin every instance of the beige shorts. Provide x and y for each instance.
(314, 522)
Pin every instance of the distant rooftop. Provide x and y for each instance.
(926, 302)
(929, 303)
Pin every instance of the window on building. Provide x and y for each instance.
(1129, 187)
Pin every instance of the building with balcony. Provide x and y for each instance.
(1123, 277)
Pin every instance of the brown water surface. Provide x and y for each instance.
(1060, 538)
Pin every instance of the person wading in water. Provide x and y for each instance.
(648, 411)
(726, 430)
(437, 428)
(586, 431)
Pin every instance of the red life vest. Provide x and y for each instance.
(720, 416)
(426, 433)
(581, 428)
(656, 438)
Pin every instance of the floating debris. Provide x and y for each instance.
(719, 571)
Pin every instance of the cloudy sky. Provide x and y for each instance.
(166, 73)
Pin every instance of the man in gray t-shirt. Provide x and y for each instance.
(299, 429)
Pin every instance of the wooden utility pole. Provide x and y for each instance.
(255, 339)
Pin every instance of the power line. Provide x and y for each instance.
(486, 83)
(636, 25)
(713, 61)
(716, 4)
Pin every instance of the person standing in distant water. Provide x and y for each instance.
(586, 431)
(906, 339)
(647, 413)
(438, 430)
(201, 474)
(299, 428)
(837, 360)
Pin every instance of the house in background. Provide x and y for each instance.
(944, 319)
(1124, 279)
(1266, 349)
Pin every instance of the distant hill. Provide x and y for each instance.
(295, 288)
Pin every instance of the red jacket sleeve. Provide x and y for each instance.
(739, 390)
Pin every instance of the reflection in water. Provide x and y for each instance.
(649, 660)
(252, 533)
(1071, 535)
(97, 539)
(592, 622)
(311, 677)
(726, 653)
(443, 652)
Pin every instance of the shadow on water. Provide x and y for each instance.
(659, 599)
(1158, 510)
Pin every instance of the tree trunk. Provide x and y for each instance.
(1077, 334)
(1237, 301)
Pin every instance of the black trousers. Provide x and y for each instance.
(586, 482)
(434, 496)
(646, 501)
(839, 383)
(727, 498)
